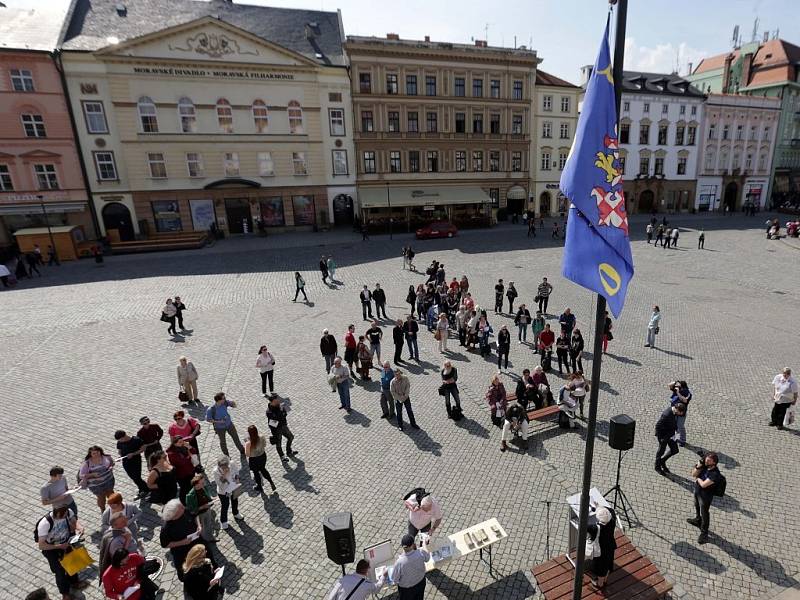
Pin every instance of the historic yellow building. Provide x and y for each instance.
(212, 113)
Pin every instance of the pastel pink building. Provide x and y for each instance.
(39, 162)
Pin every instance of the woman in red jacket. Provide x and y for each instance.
(496, 397)
(124, 573)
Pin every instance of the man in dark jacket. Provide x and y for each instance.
(366, 303)
(567, 322)
(499, 288)
(410, 330)
(276, 419)
(179, 308)
(397, 338)
(323, 268)
(666, 427)
(379, 297)
(526, 390)
(328, 349)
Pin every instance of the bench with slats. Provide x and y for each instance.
(537, 414)
(634, 577)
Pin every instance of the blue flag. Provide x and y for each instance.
(597, 251)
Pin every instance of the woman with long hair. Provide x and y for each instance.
(162, 479)
(498, 402)
(255, 450)
(97, 473)
(200, 580)
(266, 364)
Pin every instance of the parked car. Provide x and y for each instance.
(440, 229)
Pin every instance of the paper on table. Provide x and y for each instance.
(130, 591)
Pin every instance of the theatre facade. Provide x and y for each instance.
(212, 122)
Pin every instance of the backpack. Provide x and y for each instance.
(50, 521)
(719, 488)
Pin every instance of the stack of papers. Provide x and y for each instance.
(442, 553)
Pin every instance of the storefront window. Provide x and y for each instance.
(303, 207)
(166, 215)
(272, 211)
(202, 214)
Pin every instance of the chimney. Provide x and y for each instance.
(746, 68)
(586, 73)
(726, 73)
(690, 68)
(427, 38)
(480, 43)
(392, 36)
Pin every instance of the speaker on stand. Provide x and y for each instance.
(621, 433)
(340, 538)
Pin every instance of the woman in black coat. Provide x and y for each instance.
(576, 350)
(411, 298)
(503, 347)
(605, 528)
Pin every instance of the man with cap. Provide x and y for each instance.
(356, 586)
(328, 348)
(409, 570)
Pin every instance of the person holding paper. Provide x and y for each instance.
(229, 489)
(356, 586)
(179, 533)
(122, 580)
(201, 581)
(409, 570)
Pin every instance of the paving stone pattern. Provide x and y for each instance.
(82, 353)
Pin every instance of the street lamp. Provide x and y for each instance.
(47, 224)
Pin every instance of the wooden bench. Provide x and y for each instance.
(162, 241)
(537, 414)
(634, 577)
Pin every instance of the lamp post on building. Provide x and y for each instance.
(47, 224)
(389, 202)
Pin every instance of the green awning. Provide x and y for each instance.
(376, 197)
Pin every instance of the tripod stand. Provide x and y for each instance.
(619, 495)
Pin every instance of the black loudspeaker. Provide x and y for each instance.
(621, 431)
(340, 538)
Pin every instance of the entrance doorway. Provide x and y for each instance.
(646, 201)
(343, 210)
(731, 192)
(238, 212)
(117, 216)
(544, 204)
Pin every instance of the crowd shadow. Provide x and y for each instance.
(698, 557)
(423, 441)
(249, 542)
(357, 418)
(473, 427)
(299, 477)
(280, 514)
(766, 567)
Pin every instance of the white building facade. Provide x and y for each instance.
(738, 144)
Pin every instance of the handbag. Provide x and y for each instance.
(183, 396)
(610, 336)
(657, 330)
(788, 419)
(437, 336)
(76, 560)
(537, 298)
(273, 440)
(443, 389)
(164, 317)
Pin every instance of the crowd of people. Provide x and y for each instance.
(190, 497)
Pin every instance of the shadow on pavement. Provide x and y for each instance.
(698, 557)
(279, 513)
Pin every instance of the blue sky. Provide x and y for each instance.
(662, 34)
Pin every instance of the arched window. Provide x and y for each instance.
(147, 115)
(187, 116)
(295, 117)
(260, 116)
(225, 116)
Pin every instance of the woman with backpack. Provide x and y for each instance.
(449, 388)
(97, 473)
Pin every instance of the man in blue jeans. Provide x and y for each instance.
(410, 329)
(217, 415)
(341, 377)
(400, 387)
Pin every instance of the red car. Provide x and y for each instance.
(440, 229)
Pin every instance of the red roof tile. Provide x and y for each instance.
(544, 78)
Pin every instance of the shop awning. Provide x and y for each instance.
(36, 209)
(516, 193)
(421, 196)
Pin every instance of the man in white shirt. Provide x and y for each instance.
(785, 395)
(424, 515)
(409, 570)
(356, 586)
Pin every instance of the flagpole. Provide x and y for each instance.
(599, 323)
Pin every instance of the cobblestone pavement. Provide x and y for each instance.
(82, 353)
